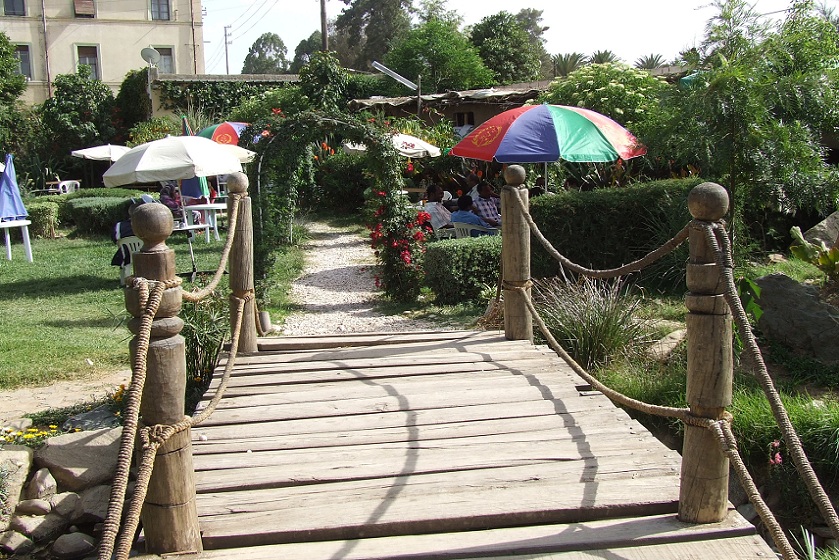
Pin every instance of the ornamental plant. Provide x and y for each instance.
(397, 234)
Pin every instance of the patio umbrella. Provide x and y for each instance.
(107, 152)
(405, 144)
(545, 133)
(171, 158)
(224, 133)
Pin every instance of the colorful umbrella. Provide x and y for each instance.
(224, 133)
(543, 133)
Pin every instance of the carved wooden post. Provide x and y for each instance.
(170, 518)
(703, 496)
(241, 261)
(515, 257)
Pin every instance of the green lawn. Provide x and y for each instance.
(66, 309)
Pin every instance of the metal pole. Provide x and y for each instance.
(226, 59)
(323, 30)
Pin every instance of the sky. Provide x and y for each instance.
(630, 29)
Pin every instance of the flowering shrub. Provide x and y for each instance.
(32, 437)
(397, 234)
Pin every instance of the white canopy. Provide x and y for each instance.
(107, 152)
(405, 144)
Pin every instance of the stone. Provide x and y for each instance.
(794, 316)
(67, 504)
(94, 504)
(81, 460)
(748, 512)
(736, 494)
(15, 461)
(39, 527)
(661, 350)
(42, 485)
(96, 419)
(15, 543)
(73, 545)
(826, 231)
(19, 424)
(33, 507)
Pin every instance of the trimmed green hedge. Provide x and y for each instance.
(44, 218)
(606, 228)
(457, 269)
(97, 215)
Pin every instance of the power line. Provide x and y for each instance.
(251, 16)
(257, 21)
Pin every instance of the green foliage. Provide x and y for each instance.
(132, 104)
(341, 182)
(826, 259)
(44, 218)
(595, 321)
(505, 47)
(304, 51)
(12, 84)
(215, 99)
(365, 86)
(606, 228)
(457, 270)
(267, 55)
(442, 55)
(206, 325)
(97, 215)
(153, 129)
(373, 26)
(287, 100)
(564, 64)
(604, 57)
(324, 82)
(650, 62)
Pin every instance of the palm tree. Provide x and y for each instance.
(650, 62)
(603, 57)
(564, 64)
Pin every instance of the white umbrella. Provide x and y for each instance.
(405, 144)
(172, 158)
(242, 154)
(108, 152)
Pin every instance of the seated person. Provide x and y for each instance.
(123, 229)
(487, 206)
(539, 188)
(466, 215)
(440, 216)
(171, 197)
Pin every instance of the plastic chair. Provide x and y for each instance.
(65, 187)
(128, 245)
(443, 233)
(463, 230)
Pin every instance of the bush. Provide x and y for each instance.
(97, 214)
(341, 181)
(457, 269)
(206, 326)
(606, 228)
(44, 218)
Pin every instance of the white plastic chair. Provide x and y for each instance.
(65, 187)
(131, 244)
(463, 230)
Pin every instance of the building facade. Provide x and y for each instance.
(53, 37)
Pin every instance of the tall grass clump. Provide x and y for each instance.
(596, 321)
(206, 326)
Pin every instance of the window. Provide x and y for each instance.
(160, 9)
(24, 64)
(90, 56)
(463, 119)
(84, 8)
(14, 7)
(166, 64)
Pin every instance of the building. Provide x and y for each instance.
(53, 37)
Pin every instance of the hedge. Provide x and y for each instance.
(97, 215)
(457, 269)
(44, 218)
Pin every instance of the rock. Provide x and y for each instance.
(748, 512)
(660, 351)
(794, 316)
(39, 528)
(42, 485)
(15, 461)
(73, 545)
(15, 543)
(68, 505)
(33, 507)
(736, 494)
(82, 459)
(19, 424)
(94, 504)
(95, 419)
(825, 231)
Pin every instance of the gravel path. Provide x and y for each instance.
(337, 289)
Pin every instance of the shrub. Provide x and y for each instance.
(341, 181)
(205, 328)
(44, 218)
(458, 269)
(97, 214)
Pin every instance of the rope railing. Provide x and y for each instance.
(150, 294)
(717, 239)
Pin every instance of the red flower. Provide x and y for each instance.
(423, 217)
(405, 256)
(277, 111)
(419, 236)
(410, 167)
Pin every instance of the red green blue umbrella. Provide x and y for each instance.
(544, 133)
(224, 133)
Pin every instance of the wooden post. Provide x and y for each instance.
(169, 515)
(241, 260)
(703, 495)
(515, 257)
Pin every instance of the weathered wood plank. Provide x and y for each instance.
(599, 535)
(289, 343)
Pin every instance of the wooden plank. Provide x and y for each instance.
(599, 535)
(321, 342)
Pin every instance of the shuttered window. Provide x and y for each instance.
(160, 10)
(84, 8)
(14, 8)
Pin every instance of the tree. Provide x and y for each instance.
(436, 9)
(304, 51)
(267, 55)
(376, 24)
(650, 62)
(132, 104)
(506, 48)
(12, 85)
(603, 57)
(324, 82)
(531, 21)
(442, 55)
(564, 64)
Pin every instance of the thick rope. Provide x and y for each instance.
(717, 236)
(634, 266)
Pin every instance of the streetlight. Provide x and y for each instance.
(402, 80)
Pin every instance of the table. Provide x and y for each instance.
(209, 213)
(24, 229)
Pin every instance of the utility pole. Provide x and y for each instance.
(323, 30)
(226, 42)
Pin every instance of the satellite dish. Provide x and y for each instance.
(150, 55)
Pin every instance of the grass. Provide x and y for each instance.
(798, 270)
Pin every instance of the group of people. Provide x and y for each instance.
(481, 207)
